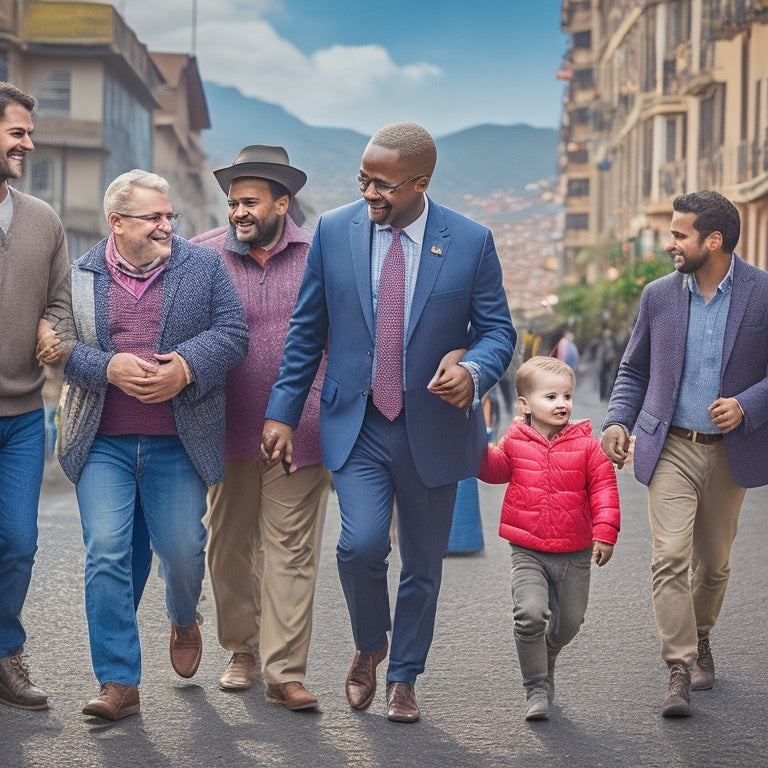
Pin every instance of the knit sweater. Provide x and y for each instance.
(268, 294)
(34, 283)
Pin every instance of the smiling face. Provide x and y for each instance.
(15, 142)
(549, 402)
(688, 249)
(400, 207)
(257, 217)
(140, 242)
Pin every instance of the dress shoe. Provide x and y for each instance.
(242, 670)
(537, 707)
(291, 695)
(114, 702)
(16, 689)
(678, 701)
(186, 649)
(703, 671)
(401, 703)
(361, 680)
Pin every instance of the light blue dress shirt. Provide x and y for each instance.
(700, 384)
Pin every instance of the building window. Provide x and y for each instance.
(4, 66)
(577, 221)
(712, 120)
(54, 94)
(578, 187)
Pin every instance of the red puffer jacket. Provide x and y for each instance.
(562, 494)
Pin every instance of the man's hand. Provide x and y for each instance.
(615, 444)
(127, 372)
(726, 413)
(48, 349)
(169, 379)
(601, 552)
(452, 382)
(277, 444)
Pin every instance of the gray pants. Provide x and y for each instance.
(550, 592)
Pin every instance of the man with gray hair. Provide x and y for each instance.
(34, 285)
(158, 323)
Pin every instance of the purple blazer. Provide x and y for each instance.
(648, 381)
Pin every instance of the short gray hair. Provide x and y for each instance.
(118, 195)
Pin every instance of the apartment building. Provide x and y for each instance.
(662, 98)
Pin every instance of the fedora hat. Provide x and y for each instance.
(262, 162)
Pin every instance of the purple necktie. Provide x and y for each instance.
(390, 311)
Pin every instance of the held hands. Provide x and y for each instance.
(48, 349)
(148, 382)
(601, 553)
(277, 444)
(726, 413)
(615, 444)
(452, 382)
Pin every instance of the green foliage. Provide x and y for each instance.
(587, 308)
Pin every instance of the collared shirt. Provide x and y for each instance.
(700, 384)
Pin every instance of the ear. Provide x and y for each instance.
(523, 403)
(115, 221)
(281, 205)
(423, 183)
(714, 240)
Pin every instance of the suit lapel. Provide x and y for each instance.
(434, 251)
(360, 249)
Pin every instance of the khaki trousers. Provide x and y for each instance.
(694, 506)
(265, 531)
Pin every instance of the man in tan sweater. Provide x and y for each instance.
(34, 284)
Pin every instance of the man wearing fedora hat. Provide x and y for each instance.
(265, 523)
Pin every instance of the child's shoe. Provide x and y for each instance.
(538, 705)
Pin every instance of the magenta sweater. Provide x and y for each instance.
(268, 295)
(134, 325)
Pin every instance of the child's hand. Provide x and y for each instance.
(601, 552)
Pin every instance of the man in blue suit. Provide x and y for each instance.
(398, 422)
(692, 385)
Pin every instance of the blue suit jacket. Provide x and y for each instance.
(458, 302)
(649, 376)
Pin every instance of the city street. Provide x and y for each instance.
(610, 681)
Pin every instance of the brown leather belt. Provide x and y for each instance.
(705, 438)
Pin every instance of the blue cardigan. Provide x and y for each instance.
(203, 320)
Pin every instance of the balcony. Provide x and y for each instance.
(711, 170)
(672, 179)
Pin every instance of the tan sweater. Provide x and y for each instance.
(34, 283)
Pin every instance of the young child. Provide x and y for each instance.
(560, 512)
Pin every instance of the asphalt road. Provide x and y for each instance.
(610, 680)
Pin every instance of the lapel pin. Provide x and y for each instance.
(436, 250)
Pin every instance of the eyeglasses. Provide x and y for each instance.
(154, 218)
(381, 186)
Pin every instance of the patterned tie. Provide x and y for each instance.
(390, 310)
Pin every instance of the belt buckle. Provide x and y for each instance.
(692, 435)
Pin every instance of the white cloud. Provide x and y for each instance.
(235, 46)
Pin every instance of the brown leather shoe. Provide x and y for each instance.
(242, 670)
(291, 695)
(186, 649)
(401, 703)
(361, 680)
(678, 700)
(114, 702)
(703, 669)
(16, 689)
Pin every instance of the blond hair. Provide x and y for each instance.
(526, 374)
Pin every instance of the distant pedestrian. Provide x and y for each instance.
(607, 355)
(560, 512)
(693, 387)
(566, 350)
(34, 284)
(159, 323)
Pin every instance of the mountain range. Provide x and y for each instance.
(475, 162)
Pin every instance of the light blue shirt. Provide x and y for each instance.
(700, 384)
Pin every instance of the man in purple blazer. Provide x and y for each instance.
(693, 387)
(399, 409)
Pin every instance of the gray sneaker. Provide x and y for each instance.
(678, 701)
(16, 689)
(703, 671)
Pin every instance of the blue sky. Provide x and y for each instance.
(447, 65)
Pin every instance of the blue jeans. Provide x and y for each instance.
(22, 457)
(122, 473)
(379, 469)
